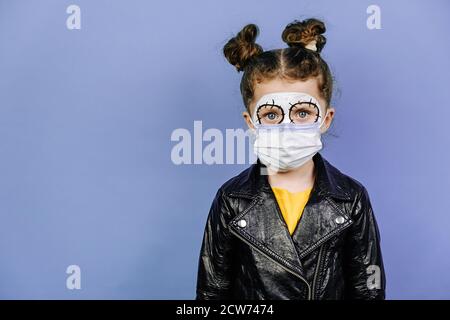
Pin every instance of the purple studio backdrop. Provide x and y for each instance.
(92, 91)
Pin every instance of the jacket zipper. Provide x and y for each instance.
(262, 252)
(316, 273)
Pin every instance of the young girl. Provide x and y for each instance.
(291, 226)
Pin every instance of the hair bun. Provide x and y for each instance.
(306, 34)
(241, 48)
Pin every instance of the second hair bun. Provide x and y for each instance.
(306, 34)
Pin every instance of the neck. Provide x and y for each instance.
(294, 180)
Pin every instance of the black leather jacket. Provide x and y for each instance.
(334, 253)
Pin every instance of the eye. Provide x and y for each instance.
(304, 113)
(270, 113)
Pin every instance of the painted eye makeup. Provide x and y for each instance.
(300, 108)
(304, 112)
(270, 113)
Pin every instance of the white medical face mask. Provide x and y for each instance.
(287, 132)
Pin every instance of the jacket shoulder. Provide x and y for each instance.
(238, 183)
(344, 182)
(223, 206)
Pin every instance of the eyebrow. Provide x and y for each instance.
(257, 108)
(311, 102)
(273, 104)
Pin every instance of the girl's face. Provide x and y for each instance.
(309, 86)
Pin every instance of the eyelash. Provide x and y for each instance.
(305, 102)
(271, 105)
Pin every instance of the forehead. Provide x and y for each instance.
(285, 98)
(309, 86)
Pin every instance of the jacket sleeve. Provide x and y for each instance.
(363, 266)
(215, 261)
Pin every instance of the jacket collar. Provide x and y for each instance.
(329, 180)
(265, 229)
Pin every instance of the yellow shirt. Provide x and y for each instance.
(291, 205)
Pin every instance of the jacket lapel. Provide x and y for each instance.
(266, 230)
(320, 221)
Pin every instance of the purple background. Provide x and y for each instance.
(86, 118)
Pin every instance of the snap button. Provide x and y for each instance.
(339, 220)
(242, 223)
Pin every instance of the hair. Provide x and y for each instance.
(299, 61)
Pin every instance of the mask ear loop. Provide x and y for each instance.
(323, 120)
